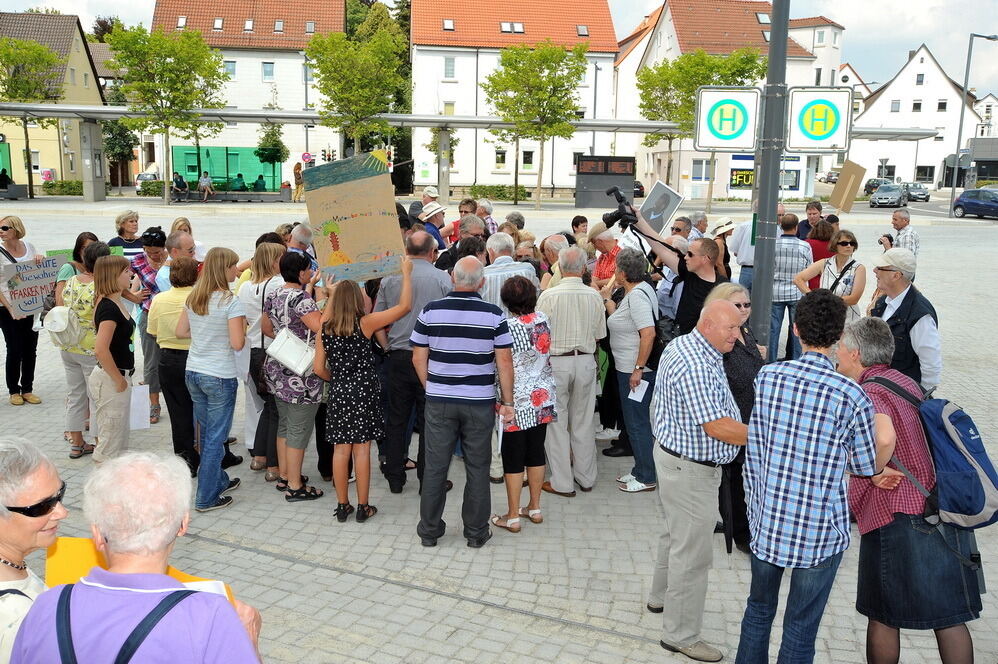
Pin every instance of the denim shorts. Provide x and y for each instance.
(909, 578)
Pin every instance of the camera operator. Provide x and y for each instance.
(906, 237)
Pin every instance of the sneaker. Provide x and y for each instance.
(223, 501)
(634, 486)
(233, 485)
(607, 434)
(16, 400)
(699, 651)
(30, 398)
(624, 479)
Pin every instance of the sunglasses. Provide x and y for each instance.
(5, 228)
(690, 254)
(677, 229)
(43, 508)
(742, 305)
(848, 243)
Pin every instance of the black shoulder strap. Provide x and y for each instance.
(63, 631)
(896, 389)
(841, 274)
(12, 591)
(8, 255)
(142, 630)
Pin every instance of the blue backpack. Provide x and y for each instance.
(966, 491)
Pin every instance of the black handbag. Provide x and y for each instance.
(258, 356)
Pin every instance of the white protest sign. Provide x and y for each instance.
(25, 285)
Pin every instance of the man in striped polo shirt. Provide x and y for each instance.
(458, 343)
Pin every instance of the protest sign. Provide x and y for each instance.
(660, 205)
(351, 210)
(845, 191)
(26, 284)
(68, 253)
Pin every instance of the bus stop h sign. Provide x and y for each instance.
(820, 119)
(727, 119)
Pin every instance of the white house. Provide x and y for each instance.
(262, 45)
(456, 45)
(920, 95)
(849, 77)
(987, 108)
(719, 27)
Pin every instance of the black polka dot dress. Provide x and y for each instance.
(353, 414)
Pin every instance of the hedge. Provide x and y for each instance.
(500, 192)
(68, 187)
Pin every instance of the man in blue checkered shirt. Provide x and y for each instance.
(810, 426)
(697, 428)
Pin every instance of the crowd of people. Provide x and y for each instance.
(516, 356)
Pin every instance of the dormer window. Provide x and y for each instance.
(762, 17)
(582, 30)
(278, 26)
(518, 27)
(217, 25)
(309, 27)
(505, 27)
(449, 24)
(765, 35)
(181, 22)
(248, 25)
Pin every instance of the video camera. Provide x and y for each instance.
(624, 213)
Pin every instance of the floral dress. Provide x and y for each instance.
(285, 384)
(533, 380)
(79, 298)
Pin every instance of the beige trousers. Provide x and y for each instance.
(571, 440)
(111, 412)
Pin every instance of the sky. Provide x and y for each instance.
(877, 46)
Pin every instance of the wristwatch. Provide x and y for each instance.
(638, 367)
(506, 403)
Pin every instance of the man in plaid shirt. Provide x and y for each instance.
(810, 426)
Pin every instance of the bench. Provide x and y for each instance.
(15, 191)
(282, 196)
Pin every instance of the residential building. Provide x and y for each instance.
(920, 95)
(262, 45)
(719, 27)
(849, 77)
(57, 153)
(987, 108)
(455, 46)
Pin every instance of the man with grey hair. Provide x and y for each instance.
(468, 226)
(577, 318)
(484, 212)
(551, 248)
(460, 343)
(681, 226)
(911, 317)
(137, 505)
(516, 218)
(178, 243)
(699, 219)
(906, 237)
(301, 242)
(501, 267)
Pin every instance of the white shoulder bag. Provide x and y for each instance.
(290, 351)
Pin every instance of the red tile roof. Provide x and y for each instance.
(327, 14)
(720, 27)
(630, 42)
(477, 23)
(101, 53)
(813, 21)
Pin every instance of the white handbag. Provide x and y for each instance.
(293, 353)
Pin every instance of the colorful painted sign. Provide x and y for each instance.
(25, 285)
(351, 210)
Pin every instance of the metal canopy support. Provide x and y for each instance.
(443, 167)
(92, 146)
(771, 147)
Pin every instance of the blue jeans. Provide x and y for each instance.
(809, 590)
(776, 324)
(745, 276)
(638, 423)
(214, 402)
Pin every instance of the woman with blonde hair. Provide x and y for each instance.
(354, 416)
(299, 183)
(215, 322)
(126, 227)
(110, 382)
(184, 224)
(266, 279)
(284, 230)
(18, 330)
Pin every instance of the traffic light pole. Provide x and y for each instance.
(771, 148)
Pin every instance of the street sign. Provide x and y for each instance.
(306, 157)
(820, 119)
(726, 119)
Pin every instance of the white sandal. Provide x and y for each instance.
(512, 525)
(533, 515)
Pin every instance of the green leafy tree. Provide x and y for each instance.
(534, 89)
(167, 75)
(270, 148)
(358, 80)
(434, 144)
(357, 11)
(668, 89)
(102, 27)
(29, 72)
(119, 140)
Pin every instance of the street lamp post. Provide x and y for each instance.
(306, 75)
(963, 109)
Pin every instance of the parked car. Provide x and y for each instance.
(872, 184)
(831, 177)
(980, 202)
(889, 195)
(917, 192)
(144, 177)
(639, 190)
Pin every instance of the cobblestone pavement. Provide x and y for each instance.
(570, 590)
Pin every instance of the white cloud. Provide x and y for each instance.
(131, 12)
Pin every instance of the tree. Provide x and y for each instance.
(42, 10)
(167, 75)
(271, 148)
(357, 11)
(668, 89)
(534, 89)
(434, 144)
(103, 26)
(29, 72)
(119, 140)
(358, 80)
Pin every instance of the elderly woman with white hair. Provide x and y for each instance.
(30, 511)
(137, 505)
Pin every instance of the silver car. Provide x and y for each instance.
(889, 195)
